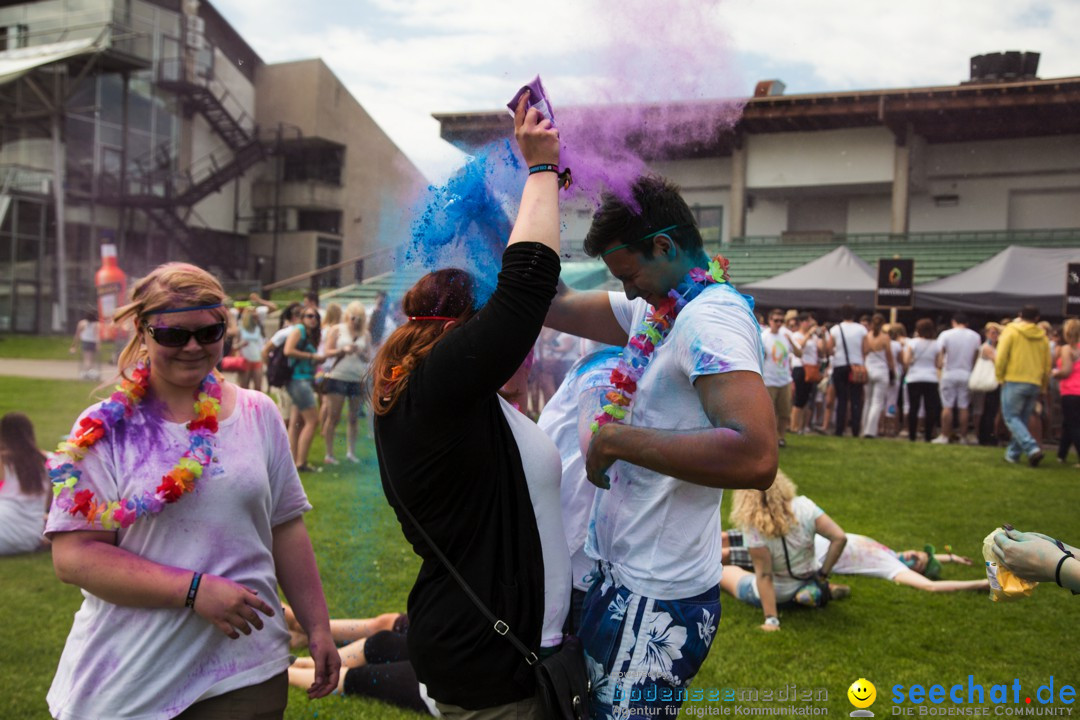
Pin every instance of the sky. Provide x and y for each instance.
(406, 59)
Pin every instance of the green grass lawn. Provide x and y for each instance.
(42, 347)
(902, 494)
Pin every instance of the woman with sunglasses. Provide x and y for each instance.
(178, 512)
(480, 479)
(301, 348)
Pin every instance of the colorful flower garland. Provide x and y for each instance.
(64, 473)
(654, 330)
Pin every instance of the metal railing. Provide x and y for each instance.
(1010, 237)
(365, 266)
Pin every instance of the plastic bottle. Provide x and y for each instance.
(111, 284)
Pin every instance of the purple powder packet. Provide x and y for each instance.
(537, 99)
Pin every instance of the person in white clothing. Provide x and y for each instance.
(779, 528)
(780, 348)
(345, 380)
(881, 367)
(178, 513)
(566, 419)
(86, 339)
(689, 392)
(959, 349)
(844, 344)
(805, 370)
(24, 487)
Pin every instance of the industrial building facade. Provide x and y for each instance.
(152, 125)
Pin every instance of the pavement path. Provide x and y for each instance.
(42, 369)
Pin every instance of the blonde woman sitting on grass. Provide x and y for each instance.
(779, 529)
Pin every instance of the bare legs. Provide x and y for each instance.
(353, 634)
(301, 433)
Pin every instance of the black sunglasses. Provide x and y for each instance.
(175, 337)
(309, 316)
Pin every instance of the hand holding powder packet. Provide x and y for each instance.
(1004, 584)
(537, 99)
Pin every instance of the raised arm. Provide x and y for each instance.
(538, 215)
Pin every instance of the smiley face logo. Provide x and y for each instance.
(862, 693)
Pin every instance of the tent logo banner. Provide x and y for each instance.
(894, 284)
(1072, 290)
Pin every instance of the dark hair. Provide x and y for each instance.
(655, 204)
(960, 318)
(776, 311)
(314, 336)
(19, 451)
(443, 293)
(847, 312)
(876, 323)
(804, 316)
(313, 296)
(925, 328)
(288, 314)
(1029, 313)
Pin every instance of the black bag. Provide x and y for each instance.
(562, 682)
(562, 679)
(278, 368)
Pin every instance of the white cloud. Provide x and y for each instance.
(406, 60)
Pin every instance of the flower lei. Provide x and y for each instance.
(63, 464)
(652, 333)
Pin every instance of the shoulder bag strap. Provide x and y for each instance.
(787, 561)
(847, 358)
(498, 625)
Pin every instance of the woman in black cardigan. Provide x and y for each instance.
(448, 450)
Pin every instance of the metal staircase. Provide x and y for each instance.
(167, 196)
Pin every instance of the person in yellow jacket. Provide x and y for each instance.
(1023, 369)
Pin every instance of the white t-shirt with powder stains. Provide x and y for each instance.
(661, 535)
(151, 663)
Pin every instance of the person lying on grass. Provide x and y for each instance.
(374, 660)
(779, 529)
(866, 556)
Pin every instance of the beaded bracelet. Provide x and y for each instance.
(193, 590)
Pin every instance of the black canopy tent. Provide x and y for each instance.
(834, 279)
(1014, 277)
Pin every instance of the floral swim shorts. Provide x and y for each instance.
(642, 653)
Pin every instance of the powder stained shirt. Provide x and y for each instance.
(127, 663)
(661, 535)
(800, 549)
(862, 556)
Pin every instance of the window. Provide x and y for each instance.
(328, 253)
(710, 222)
(327, 221)
(14, 36)
(322, 164)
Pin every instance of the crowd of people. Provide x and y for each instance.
(1016, 384)
(177, 504)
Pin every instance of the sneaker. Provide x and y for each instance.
(352, 458)
(1011, 460)
(1035, 458)
(783, 442)
(940, 440)
(329, 460)
(839, 592)
(307, 468)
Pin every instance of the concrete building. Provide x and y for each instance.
(153, 125)
(991, 161)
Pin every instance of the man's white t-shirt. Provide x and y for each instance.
(661, 536)
(853, 334)
(585, 382)
(800, 549)
(862, 556)
(151, 663)
(961, 346)
(778, 357)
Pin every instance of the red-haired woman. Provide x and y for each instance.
(478, 477)
(24, 499)
(179, 512)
